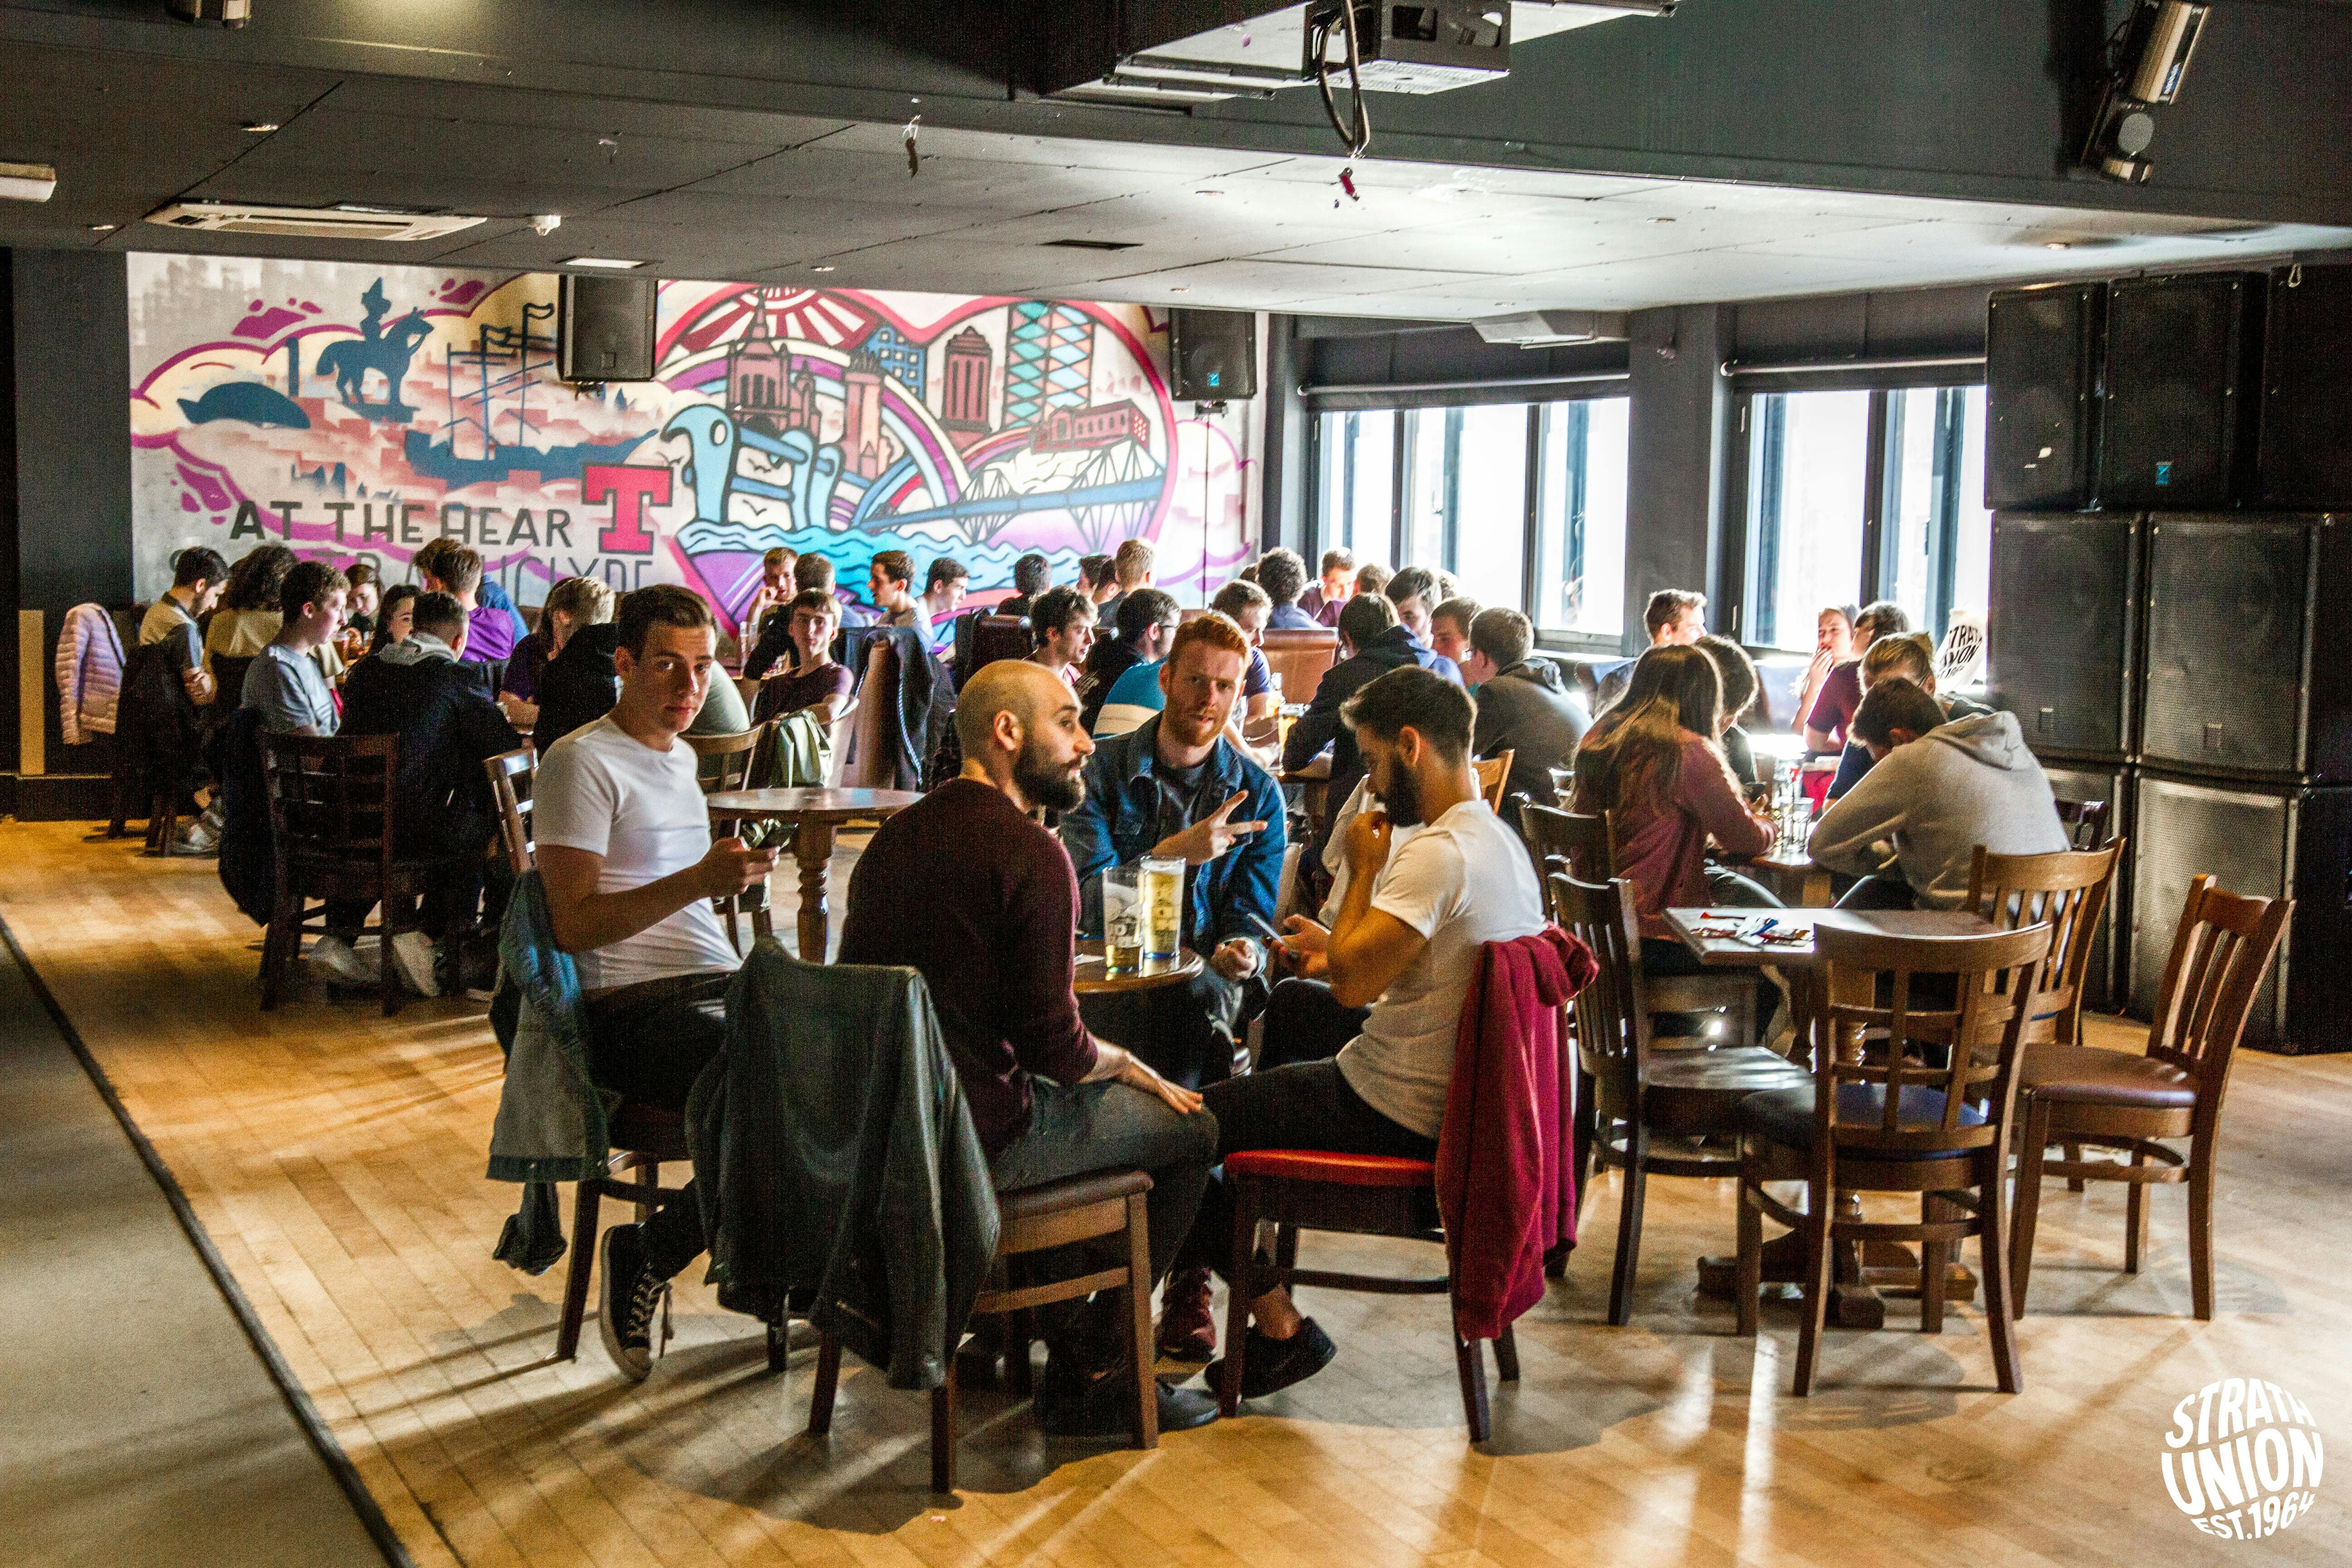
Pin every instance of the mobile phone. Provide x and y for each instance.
(1273, 937)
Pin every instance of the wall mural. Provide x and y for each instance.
(355, 412)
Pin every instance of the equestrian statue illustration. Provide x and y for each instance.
(387, 353)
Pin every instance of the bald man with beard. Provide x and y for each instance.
(968, 887)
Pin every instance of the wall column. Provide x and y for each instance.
(1681, 403)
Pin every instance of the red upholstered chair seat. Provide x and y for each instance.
(1346, 1170)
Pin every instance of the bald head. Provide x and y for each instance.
(1020, 729)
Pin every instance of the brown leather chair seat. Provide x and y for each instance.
(2086, 1075)
(1071, 1192)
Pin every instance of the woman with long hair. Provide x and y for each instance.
(1651, 762)
(396, 617)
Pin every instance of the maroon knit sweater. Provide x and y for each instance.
(982, 899)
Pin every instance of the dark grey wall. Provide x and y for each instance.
(1673, 487)
(70, 537)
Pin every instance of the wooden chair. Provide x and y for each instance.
(331, 817)
(1584, 841)
(995, 637)
(869, 761)
(2067, 891)
(724, 763)
(643, 1138)
(1678, 1094)
(2076, 1095)
(2085, 822)
(512, 775)
(228, 681)
(1882, 1121)
(1563, 787)
(1494, 774)
(1101, 1204)
(1300, 657)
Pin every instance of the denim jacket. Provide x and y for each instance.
(1119, 824)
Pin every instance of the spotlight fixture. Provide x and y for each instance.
(27, 182)
(546, 223)
(259, 127)
(210, 13)
(2147, 59)
(823, 267)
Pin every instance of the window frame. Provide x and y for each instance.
(1882, 455)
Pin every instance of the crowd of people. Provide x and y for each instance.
(1124, 733)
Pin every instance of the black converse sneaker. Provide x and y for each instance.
(632, 1294)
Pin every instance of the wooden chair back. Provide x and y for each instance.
(2066, 890)
(1979, 1034)
(2085, 822)
(724, 761)
(229, 680)
(2219, 951)
(867, 763)
(1563, 787)
(1493, 774)
(1300, 657)
(512, 774)
(1580, 839)
(330, 796)
(1612, 1016)
(995, 637)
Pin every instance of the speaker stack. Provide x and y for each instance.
(2170, 463)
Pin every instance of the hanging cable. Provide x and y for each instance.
(1355, 132)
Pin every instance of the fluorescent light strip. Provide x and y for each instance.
(605, 262)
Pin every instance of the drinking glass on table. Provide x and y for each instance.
(1163, 907)
(1123, 918)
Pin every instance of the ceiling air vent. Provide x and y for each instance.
(308, 223)
(1092, 244)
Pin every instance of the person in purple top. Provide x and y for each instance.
(489, 631)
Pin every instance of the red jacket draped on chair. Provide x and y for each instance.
(1506, 1175)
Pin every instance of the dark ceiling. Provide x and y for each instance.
(727, 138)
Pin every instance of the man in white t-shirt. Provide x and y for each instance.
(1366, 1035)
(626, 858)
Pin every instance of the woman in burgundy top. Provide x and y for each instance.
(1651, 762)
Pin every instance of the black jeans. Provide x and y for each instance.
(1186, 1034)
(1665, 956)
(650, 1042)
(1304, 1104)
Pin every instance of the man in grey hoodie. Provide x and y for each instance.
(1523, 708)
(1935, 791)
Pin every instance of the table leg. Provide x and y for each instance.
(812, 848)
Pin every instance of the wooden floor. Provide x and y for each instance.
(336, 1159)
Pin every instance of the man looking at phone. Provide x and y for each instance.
(1179, 787)
(1369, 1026)
(629, 869)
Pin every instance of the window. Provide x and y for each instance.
(1465, 496)
(1824, 529)
(1359, 471)
(1580, 579)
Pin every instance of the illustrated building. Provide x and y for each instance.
(1103, 425)
(897, 354)
(1048, 364)
(963, 387)
(862, 441)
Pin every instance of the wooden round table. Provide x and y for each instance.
(1094, 979)
(814, 814)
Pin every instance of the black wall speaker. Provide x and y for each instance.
(2264, 843)
(2106, 979)
(2064, 628)
(2177, 429)
(1214, 354)
(605, 329)
(2043, 352)
(2307, 439)
(2249, 646)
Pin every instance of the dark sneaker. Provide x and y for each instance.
(1269, 1366)
(477, 967)
(1188, 1328)
(632, 1294)
(1107, 1408)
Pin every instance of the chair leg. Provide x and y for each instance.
(2075, 1183)
(1471, 1366)
(392, 922)
(2029, 1202)
(780, 1342)
(1819, 1201)
(1139, 1326)
(828, 1378)
(585, 1205)
(943, 1415)
(2135, 1216)
(1932, 1271)
(1241, 1279)
(649, 1183)
(2200, 1229)
(1993, 1243)
(279, 945)
(1586, 1134)
(1507, 1356)
(1749, 1281)
(1629, 1223)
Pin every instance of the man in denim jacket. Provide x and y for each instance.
(1180, 786)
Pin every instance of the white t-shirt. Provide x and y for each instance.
(1461, 882)
(601, 790)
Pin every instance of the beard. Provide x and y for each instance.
(1058, 788)
(1400, 795)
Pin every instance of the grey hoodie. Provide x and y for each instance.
(415, 648)
(1928, 804)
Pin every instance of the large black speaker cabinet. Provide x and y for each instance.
(2265, 843)
(605, 327)
(2065, 624)
(2043, 352)
(2183, 391)
(2105, 980)
(2306, 439)
(1214, 354)
(2249, 647)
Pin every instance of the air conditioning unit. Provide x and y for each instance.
(309, 223)
(1545, 328)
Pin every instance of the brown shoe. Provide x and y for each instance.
(1188, 1328)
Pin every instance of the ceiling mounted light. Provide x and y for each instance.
(27, 182)
(259, 127)
(2147, 60)
(612, 263)
(104, 228)
(2057, 245)
(210, 13)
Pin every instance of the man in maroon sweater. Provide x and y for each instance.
(969, 887)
